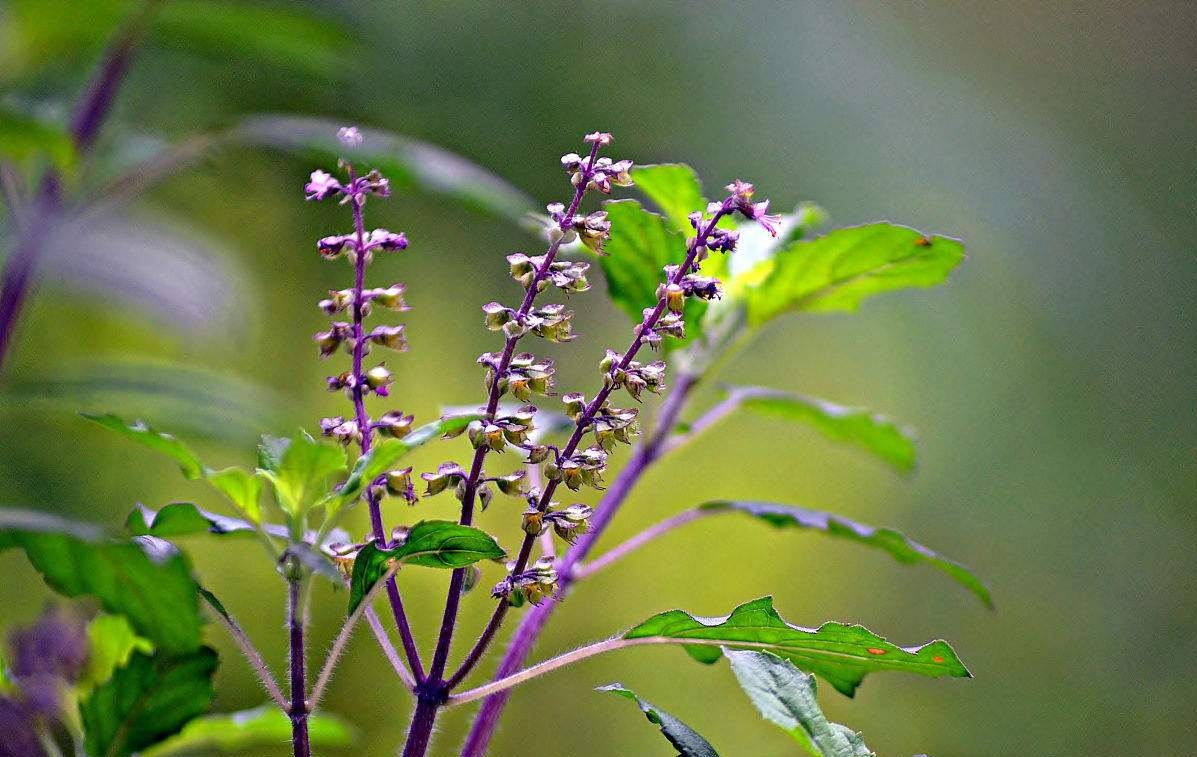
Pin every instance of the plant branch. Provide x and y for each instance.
(250, 651)
(388, 649)
(585, 570)
(342, 640)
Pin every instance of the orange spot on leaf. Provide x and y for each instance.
(937, 658)
(875, 650)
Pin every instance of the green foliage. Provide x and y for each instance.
(300, 472)
(684, 738)
(146, 701)
(877, 434)
(840, 269)
(111, 641)
(641, 245)
(183, 519)
(264, 726)
(242, 488)
(26, 140)
(895, 543)
(676, 191)
(157, 594)
(429, 543)
(147, 437)
(841, 654)
(786, 696)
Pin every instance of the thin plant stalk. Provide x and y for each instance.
(298, 710)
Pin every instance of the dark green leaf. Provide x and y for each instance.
(300, 473)
(839, 270)
(265, 726)
(786, 696)
(429, 543)
(182, 519)
(895, 543)
(878, 434)
(687, 742)
(147, 437)
(157, 594)
(841, 654)
(407, 162)
(146, 701)
(675, 189)
(111, 642)
(641, 245)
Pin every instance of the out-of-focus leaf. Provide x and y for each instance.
(242, 488)
(885, 438)
(300, 474)
(183, 277)
(684, 738)
(157, 594)
(183, 519)
(641, 245)
(264, 726)
(902, 549)
(146, 701)
(24, 140)
(166, 444)
(675, 189)
(408, 163)
(839, 270)
(840, 654)
(785, 696)
(429, 543)
(111, 642)
(282, 35)
(196, 400)
(383, 456)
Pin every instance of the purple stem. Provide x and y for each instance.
(434, 690)
(363, 424)
(533, 624)
(299, 708)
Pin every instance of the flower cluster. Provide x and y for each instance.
(532, 585)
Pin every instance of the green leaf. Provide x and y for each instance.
(183, 519)
(878, 434)
(675, 189)
(242, 488)
(146, 701)
(840, 654)
(786, 696)
(157, 594)
(383, 456)
(409, 163)
(684, 738)
(111, 641)
(168, 445)
(22, 139)
(299, 474)
(895, 543)
(839, 270)
(429, 543)
(264, 726)
(641, 245)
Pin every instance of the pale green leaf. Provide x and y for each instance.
(683, 738)
(111, 641)
(300, 473)
(242, 488)
(675, 189)
(166, 444)
(840, 654)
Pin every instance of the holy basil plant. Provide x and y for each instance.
(697, 278)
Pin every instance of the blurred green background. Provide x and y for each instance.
(1051, 381)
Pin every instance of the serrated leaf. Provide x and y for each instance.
(901, 548)
(157, 594)
(675, 189)
(264, 726)
(840, 269)
(146, 701)
(147, 437)
(429, 543)
(641, 245)
(840, 654)
(300, 472)
(785, 696)
(383, 456)
(683, 738)
(885, 438)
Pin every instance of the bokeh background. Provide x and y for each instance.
(1052, 381)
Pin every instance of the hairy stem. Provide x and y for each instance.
(342, 640)
(298, 711)
(584, 570)
(250, 651)
(388, 649)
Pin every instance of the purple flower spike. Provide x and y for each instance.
(322, 185)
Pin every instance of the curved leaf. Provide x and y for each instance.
(840, 654)
(839, 270)
(888, 440)
(300, 472)
(264, 726)
(684, 738)
(786, 696)
(157, 594)
(902, 549)
(147, 437)
(184, 519)
(429, 543)
(146, 701)
(675, 189)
